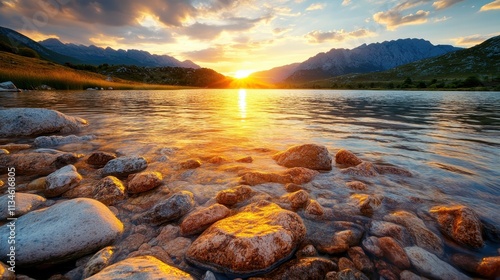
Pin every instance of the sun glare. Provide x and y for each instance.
(241, 74)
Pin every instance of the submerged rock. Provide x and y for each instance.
(489, 267)
(356, 185)
(190, 164)
(394, 252)
(52, 141)
(361, 261)
(25, 202)
(389, 169)
(124, 166)
(310, 156)
(200, 220)
(234, 195)
(62, 232)
(335, 237)
(36, 121)
(170, 209)
(99, 159)
(398, 232)
(144, 181)
(253, 241)
(109, 190)
(431, 266)
(347, 158)
(36, 163)
(61, 181)
(460, 223)
(143, 267)
(420, 234)
(303, 269)
(365, 169)
(296, 175)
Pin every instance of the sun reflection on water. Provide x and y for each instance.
(242, 102)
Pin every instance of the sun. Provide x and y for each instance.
(241, 74)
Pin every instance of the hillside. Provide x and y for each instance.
(480, 64)
(14, 42)
(33, 73)
(95, 55)
(275, 75)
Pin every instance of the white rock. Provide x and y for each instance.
(62, 180)
(123, 166)
(52, 141)
(144, 267)
(36, 121)
(430, 265)
(25, 202)
(62, 232)
(8, 87)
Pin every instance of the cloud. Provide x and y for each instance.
(441, 19)
(495, 5)
(472, 40)
(443, 4)
(213, 54)
(346, 2)
(316, 6)
(393, 19)
(281, 30)
(341, 35)
(203, 31)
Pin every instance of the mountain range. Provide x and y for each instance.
(363, 59)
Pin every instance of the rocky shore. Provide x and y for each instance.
(313, 214)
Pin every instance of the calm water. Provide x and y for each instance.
(451, 140)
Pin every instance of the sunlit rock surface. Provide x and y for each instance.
(201, 219)
(144, 267)
(52, 141)
(25, 202)
(109, 190)
(99, 159)
(124, 166)
(172, 208)
(36, 163)
(98, 261)
(61, 181)
(310, 156)
(296, 175)
(260, 236)
(144, 181)
(62, 232)
(346, 158)
(36, 121)
(460, 223)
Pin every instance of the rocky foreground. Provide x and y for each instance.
(106, 215)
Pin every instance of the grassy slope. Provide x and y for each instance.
(31, 73)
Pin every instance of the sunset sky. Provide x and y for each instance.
(231, 35)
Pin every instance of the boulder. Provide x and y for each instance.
(347, 158)
(36, 163)
(365, 169)
(36, 121)
(52, 141)
(235, 195)
(8, 87)
(62, 232)
(310, 156)
(420, 234)
(336, 237)
(398, 232)
(394, 252)
(255, 240)
(61, 181)
(143, 267)
(144, 181)
(200, 220)
(190, 164)
(25, 202)
(361, 261)
(431, 266)
(296, 175)
(460, 223)
(99, 159)
(303, 269)
(489, 267)
(296, 199)
(314, 208)
(98, 261)
(124, 166)
(109, 190)
(170, 209)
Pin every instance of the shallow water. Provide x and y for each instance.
(449, 140)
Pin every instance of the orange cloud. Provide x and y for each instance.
(495, 5)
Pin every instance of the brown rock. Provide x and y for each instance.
(217, 160)
(291, 187)
(15, 147)
(98, 261)
(314, 208)
(200, 220)
(144, 181)
(389, 169)
(248, 159)
(399, 233)
(236, 244)
(303, 269)
(460, 223)
(132, 242)
(346, 158)
(345, 263)
(307, 251)
(387, 270)
(357, 185)
(37, 184)
(349, 274)
(297, 199)
(5, 273)
(360, 260)
(394, 252)
(190, 164)
(61, 181)
(36, 163)
(177, 248)
(310, 156)
(365, 169)
(341, 241)
(421, 235)
(489, 267)
(99, 159)
(408, 275)
(235, 195)
(367, 204)
(173, 208)
(85, 190)
(109, 190)
(297, 175)
(372, 245)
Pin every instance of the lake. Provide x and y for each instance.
(450, 141)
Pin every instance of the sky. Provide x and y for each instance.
(253, 35)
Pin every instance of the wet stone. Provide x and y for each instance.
(310, 156)
(314, 208)
(98, 261)
(99, 159)
(297, 175)
(109, 190)
(360, 260)
(394, 252)
(124, 166)
(399, 233)
(61, 181)
(303, 269)
(190, 164)
(430, 265)
(201, 219)
(173, 208)
(248, 159)
(357, 185)
(291, 187)
(346, 158)
(372, 245)
(25, 203)
(365, 169)
(144, 181)
(233, 196)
